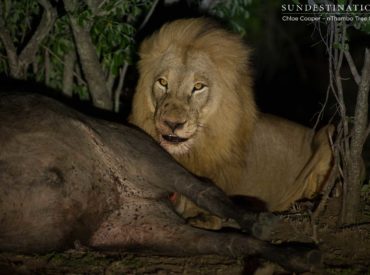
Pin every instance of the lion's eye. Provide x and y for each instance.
(198, 86)
(163, 82)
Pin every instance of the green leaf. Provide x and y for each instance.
(345, 46)
(365, 27)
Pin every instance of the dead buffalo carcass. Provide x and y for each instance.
(66, 177)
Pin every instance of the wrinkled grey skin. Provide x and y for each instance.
(67, 177)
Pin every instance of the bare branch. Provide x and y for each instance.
(351, 202)
(148, 15)
(118, 90)
(76, 74)
(352, 67)
(361, 112)
(335, 79)
(341, 38)
(338, 66)
(347, 153)
(94, 5)
(331, 60)
(47, 67)
(11, 52)
(323, 108)
(122, 77)
(110, 81)
(10, 48)
(69, 62)
(35, 67)
(207, 5)
(329, 185)
(123, 71)
(49, 16)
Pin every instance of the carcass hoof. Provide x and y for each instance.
(300, 260)
(314, 258)
(264, 225)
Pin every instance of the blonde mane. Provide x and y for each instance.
(225, 130)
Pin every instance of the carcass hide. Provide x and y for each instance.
(65, 176)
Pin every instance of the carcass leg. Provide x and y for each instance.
(154, 228)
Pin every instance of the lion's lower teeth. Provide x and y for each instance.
(174, 139)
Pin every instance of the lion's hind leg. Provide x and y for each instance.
(321, 162)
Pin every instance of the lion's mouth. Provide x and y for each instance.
(174, 138)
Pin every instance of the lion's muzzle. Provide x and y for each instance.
(174, 138)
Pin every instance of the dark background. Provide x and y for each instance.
(289, 61)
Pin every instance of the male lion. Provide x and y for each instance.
(194, 96)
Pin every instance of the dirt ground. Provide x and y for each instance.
(345, 251)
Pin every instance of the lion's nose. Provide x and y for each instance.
(174, 125)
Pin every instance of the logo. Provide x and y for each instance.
(313, 12)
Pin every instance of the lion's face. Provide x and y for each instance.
(194, 92)
(181, 97)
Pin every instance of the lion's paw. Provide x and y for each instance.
(208, 222)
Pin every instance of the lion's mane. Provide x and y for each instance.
(227, 129)
(213, 128)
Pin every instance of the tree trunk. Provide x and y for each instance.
(91, 67)
(69, 63)
(351, 207)
(18, 64)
